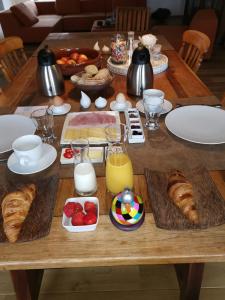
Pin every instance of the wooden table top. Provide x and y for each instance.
(108, 246)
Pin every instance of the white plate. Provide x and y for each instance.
(66, 107)
(46, 160)
(12, 127)
(69, 130)
(198, 124)
(113, 106)
(167, 106)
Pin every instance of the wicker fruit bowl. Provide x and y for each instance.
(72, 61)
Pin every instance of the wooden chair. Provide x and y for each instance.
(12, 56)
(132, 19)
(194, 45)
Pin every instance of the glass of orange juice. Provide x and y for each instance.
(119, 170)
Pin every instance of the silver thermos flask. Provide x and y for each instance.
(49, 75)
(140, 73)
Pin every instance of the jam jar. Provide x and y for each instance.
(118, 49)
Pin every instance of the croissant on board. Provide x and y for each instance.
(15, 208)
(180, 191)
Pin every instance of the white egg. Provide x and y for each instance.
(96, 46)
(100, 102)
(105, 49)
(120, 97)
(85, 101)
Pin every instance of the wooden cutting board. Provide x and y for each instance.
(209, 202)
(38, 222)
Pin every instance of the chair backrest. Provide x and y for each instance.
(194, 45)
(132, 19)
(12, 56)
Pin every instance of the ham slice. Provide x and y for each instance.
(92, 119)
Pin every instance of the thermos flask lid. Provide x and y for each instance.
(46, 57)
(141, 55)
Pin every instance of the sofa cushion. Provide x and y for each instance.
(32, 7)
(24, 14)
(67, 7)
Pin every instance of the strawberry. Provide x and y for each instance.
(90, 206)
(78, 218)
(77, 207)
(90, 218)
(69, 209)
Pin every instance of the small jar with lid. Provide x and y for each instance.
(118, 49)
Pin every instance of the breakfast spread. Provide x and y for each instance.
(180, 191)
(15, 208)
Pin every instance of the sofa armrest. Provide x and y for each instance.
(46, 7)
(10, 24)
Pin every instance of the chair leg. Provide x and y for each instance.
(189, 277)
(27, 283)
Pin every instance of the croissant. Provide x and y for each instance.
(15, 208)
(180, 191)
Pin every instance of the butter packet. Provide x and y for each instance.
(96, 155)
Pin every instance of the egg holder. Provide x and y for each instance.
(135, 128)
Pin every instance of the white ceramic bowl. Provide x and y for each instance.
(66, 222)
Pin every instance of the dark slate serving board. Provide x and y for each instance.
(39, 218)
(210, 204)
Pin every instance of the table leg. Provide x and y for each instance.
(189, 277)
(27, 283)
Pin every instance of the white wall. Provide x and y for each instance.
(175, 6)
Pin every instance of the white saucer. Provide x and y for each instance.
(66, 107)
(167, 106)
(46, 160)
(113, 106)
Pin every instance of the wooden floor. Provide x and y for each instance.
(138, 282)
(121, 283)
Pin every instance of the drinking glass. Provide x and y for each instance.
(84, 173)
(44, 121)
(119, 170)
(152, 107)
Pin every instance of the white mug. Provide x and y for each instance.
(153, 93)
(28, 149)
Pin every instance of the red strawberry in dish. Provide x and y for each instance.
(90, 207)
(77, 207)
(69, 209)
(78, 218)
(90, 218)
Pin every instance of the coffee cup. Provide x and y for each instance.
(28, 149)
(153, 93)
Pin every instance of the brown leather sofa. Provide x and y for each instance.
(33, 21)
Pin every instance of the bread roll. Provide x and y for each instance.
(15, 208)
(180, 191)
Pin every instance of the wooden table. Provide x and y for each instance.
(107, 246)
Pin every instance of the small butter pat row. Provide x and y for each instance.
(95, 155)
(135, 128)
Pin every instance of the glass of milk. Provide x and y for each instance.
(84, 172)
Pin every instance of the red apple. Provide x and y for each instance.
(65, 59)
(82, 58)
(74, 56)
(71, 62)
(60, 62)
